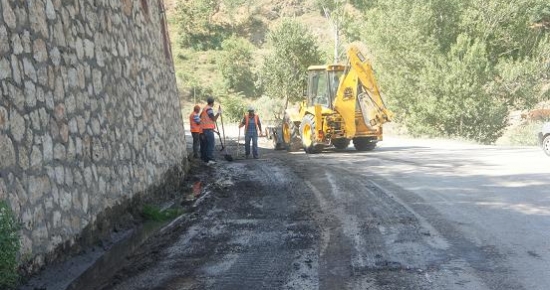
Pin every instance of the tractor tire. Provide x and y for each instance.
(341, 143)
(307, 132)
(364, 144)
(277, 138)
(290, 135)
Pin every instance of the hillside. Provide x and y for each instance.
(445, 68)
(199, 69)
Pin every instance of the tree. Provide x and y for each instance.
(235, 64)
(284, 70)
(456, 67)
(196, 27)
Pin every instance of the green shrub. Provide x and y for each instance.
(9, 247)
(524, 134)
(154, 213)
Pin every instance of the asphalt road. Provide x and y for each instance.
(412, 214)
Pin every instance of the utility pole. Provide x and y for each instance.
(336, 41)
(334, 20)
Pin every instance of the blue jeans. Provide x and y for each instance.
(203, 147)
(210, 142)
(196, 144)
(254, 138)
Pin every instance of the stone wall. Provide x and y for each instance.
(89, 114)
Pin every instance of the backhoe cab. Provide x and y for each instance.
(343, 104)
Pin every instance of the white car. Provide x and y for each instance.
(544, 138)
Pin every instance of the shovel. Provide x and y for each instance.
(226, 155)
(239, 144)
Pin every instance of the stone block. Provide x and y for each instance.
(85, 202)
(4, 40)
(47, 147)
(72, 78)
(26, 219)
(98, 83)
(30, 94)
(4, 119)
(17, 125)
(65, 200)
(59, 34)
(3, 190)
(23, 158)
(38, 188)
(42, 75)
(96, 127)
(89, 48)
(48, 203)
(78, 146)
(40, 234)
(29, 69)
(54, 242)
(16, 44)
(5, 69)
(59, 112)
(36, 157)
(54, 129)
(59, 152)
(40, 51)
(68, 177)
(60, 175)
(59, 91)
(8, 14)
(35, 120)
(37, 17)
(88, 177)
(71, 150)
(78, 178)
(64, 132)
(50, 10)
(16, 69)
(55, 56)
(70, 104)
(50, 103)
(73, 126)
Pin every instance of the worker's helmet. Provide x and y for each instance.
(210, 100)
(251, 109)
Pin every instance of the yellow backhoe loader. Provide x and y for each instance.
(343, 104)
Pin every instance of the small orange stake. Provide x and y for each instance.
(197, 188)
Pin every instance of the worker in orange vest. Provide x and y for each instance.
(196, 130)
(208, 124)
(252, 130)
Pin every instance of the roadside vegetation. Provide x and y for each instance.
(154, 213)
(448, 68)
(9, 247)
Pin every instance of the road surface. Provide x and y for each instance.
(412, 214)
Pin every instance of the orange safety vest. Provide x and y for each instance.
(206, 122)
(195, 128)
(246, 118)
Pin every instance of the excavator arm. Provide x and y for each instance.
(358, 90)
